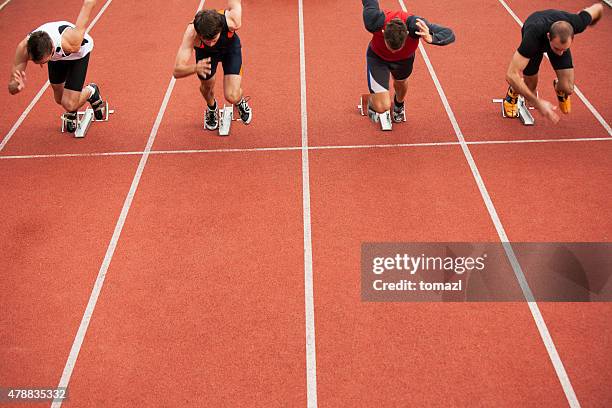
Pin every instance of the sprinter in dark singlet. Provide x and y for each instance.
(551, 32)
(212, 36)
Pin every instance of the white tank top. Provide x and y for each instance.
(55, 30)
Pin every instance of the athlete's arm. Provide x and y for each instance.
(18, 76)
(596, 12)
(430, 33)
(514, 79)
(183, 67)
(373, 17)
(233, 14)
(72, 38)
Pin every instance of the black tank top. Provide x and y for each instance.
(227, 39)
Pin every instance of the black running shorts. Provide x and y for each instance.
(70, 73)
(230, 58)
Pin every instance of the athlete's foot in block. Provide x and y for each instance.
(96, 102)
(372, 114)
(70, 121)
(565, 104)
(244, 110)
(399, 113)
(211, 118)
(510, 103)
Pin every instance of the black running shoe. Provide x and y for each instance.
(96, 102)
(211, 118)
(399, 113)
(70, 122)
(244, 110)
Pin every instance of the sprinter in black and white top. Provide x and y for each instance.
(65, 48)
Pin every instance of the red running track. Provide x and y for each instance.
(203, 303)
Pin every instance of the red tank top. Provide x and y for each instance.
(378, 41)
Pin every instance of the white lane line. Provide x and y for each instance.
(36, 98)
(294, 148)
(577, 91)
(501, 232)
(4, 4)
(311, 358)
(110, 251)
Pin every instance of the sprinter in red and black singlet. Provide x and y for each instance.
(226, 50)
(395, 38)
(212, 36)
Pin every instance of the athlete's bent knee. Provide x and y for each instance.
(233, 96)
(566, 86)
(70, 105)
(380, 104)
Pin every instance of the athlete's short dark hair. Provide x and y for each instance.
(396, 33)
(39, 45)
(208, 23)
(563, 30)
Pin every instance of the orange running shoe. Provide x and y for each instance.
(510, 103)
(565, 103)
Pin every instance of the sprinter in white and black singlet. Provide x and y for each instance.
(65, 48)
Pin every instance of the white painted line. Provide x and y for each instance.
(294, 148)
(311, 358)
(501, 232)
(4, 4)
(63, 155)
(110, 251)
(23, 115)
(236, 150)
(520, 141)
(577, 91)
(36, 98)
(97, 17)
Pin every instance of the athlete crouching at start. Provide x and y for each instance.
(65, 48)
(395, 38)
(551, 32)
(213, 37)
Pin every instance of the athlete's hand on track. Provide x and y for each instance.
(547, 110)
(203, 67)
(424, 32)
(19, 78)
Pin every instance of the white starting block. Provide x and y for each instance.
(84, 120)
(226, 117)
(523, 111)
(383, 118)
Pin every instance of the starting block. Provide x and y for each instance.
(84, 120)
(383, 118)
(226, 117)
(523, 111)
